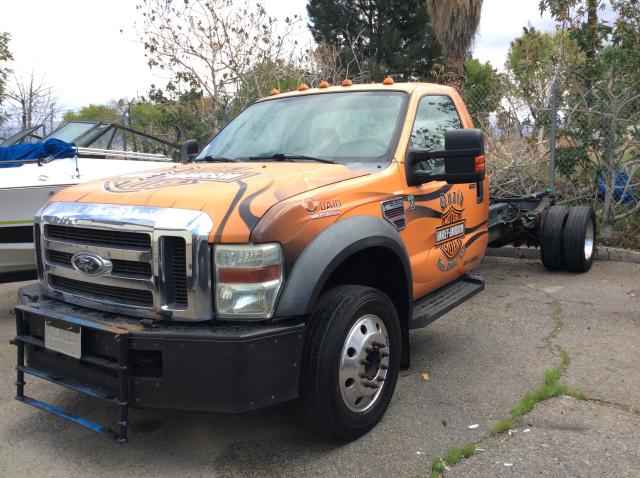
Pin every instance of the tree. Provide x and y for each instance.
(176, 119)
(284, 76)
(212, 49)
(5, 56)
(600, 130)
(455, 23)
(483, 90)
(33, 101)
(93, 112)
(377, 38)
(533, 61)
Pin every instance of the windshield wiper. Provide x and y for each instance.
(209, 158)
(291, 157)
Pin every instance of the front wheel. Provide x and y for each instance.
(351, 361)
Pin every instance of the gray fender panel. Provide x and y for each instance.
(325, 253)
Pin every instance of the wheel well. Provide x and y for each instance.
(380, 268)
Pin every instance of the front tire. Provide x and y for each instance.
(351, 361)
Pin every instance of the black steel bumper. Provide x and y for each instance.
(180, 366)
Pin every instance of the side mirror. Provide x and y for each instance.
(463, 156)
(188, 150)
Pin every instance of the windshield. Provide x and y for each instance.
(343, 127)
(70, 131)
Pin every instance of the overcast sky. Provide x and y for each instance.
(78, 47)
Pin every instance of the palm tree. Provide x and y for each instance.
(455, 23)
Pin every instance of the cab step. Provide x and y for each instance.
(441, 301)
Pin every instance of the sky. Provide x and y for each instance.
(78, 47)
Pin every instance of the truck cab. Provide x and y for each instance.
(288, 259)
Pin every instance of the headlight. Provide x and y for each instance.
(248, 279)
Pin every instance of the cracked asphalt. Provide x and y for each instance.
(481, 358)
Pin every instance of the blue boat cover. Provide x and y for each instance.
(619, 194)
(44, 149)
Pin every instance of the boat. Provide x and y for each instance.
(100, 149)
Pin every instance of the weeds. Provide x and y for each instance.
(453, 456)
(502, 426)
(551, 388)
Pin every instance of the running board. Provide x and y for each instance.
(438, 303)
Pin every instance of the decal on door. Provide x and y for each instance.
(450, 234)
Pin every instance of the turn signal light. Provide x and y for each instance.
(303, 86)
(323, 84)
(274, 91)
(249, 276)
(479, 164)
(347, 82)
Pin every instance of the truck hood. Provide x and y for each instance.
(234, 195)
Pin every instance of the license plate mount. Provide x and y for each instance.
(63, 337)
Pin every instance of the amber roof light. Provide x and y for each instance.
(323, 84)
(388, 81)
(303, 86)
(274, 91)
(347, 82)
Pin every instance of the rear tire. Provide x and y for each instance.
(349, 332)
(579, 244)
(552, 237)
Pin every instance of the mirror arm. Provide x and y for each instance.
(416, 156)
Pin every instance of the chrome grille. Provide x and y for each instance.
(173, 256)
(142, 298)
(159, 259)
(81, 235)
(123, 268)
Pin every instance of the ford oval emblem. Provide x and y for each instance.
(90, 264)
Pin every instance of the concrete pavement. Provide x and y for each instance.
(481, 358)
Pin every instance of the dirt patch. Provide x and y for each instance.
(628, 239)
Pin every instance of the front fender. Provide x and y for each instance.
(327, 251)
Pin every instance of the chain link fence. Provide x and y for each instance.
(595, 145)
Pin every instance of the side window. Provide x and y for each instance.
(435, 115)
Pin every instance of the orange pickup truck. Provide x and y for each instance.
(288, 259)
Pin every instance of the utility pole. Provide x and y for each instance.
(592, 23)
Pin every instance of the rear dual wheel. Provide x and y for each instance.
(568, 238)
(579, 245)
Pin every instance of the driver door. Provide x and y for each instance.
(438, 212)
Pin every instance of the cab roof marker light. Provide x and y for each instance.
(303, 87)
(274, 91)
(347, 82)
(323, 84)
(388, 81)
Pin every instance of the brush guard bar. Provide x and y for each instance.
(121, 400)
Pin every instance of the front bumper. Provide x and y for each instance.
(221, 368)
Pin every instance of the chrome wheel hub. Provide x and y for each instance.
(589, 238)
(364, 362)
